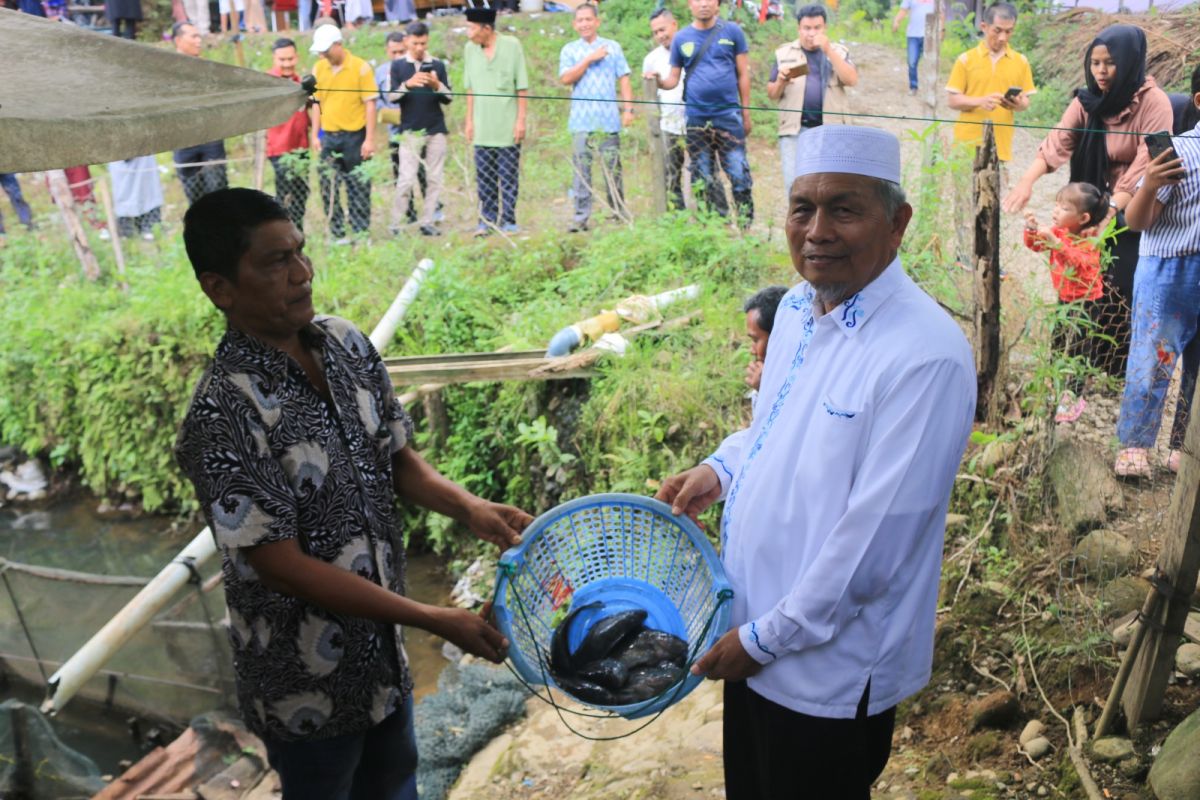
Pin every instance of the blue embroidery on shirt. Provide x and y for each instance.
(804, 300)
(721, 461)
(851, 312)
(833, 412)
(761, 646)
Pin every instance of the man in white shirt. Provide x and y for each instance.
(657, 64)
(836, 495)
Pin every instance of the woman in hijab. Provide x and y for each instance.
(1101, 136)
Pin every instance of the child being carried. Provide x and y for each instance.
(1076, 275)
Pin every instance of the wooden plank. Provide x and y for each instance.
(1178, 565)
(512, 367)
(458, 358)
(658, 149)
(987, 272)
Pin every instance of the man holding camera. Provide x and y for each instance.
(990, 82)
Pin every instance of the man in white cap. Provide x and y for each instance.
(836, 495)
(345, 95)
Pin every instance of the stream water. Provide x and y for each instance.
(70, 535)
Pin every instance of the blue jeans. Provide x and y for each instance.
(379, 763)
(1166, 305)
(706, 146)
(498, 176)
(8, 181)
(916, 46)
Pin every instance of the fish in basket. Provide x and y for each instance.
(611, 598)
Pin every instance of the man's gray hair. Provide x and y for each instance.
(1002, 10)
(891, 195)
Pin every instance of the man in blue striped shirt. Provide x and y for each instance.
(1166, 300)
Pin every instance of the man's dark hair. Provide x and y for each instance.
(1002, 10)
(217, 228)
(589, 7)
(395, 36)
(765, 301)
(281, 43)
(178, 27)
(811, 10)
(417, 29)
(661, 12)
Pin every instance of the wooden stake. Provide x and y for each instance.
(1178, 565)
(1149, 611)
(60, 191)
(987, 272)
(933, 39)
(113, 230)
(658, 149)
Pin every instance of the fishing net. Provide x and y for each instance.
(34, 764)
(472, 705)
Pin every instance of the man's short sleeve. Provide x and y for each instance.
(566, 59)
(467, 84)
(620, 64)
(522, 70)
(242, 488)
(739, 41)
(774, 72)
(958, 75)
(366, 82)
(1027, 77)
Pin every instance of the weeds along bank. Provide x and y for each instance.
(97, 379)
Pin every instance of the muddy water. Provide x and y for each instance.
(70, 535)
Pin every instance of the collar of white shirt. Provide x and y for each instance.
(852, 314)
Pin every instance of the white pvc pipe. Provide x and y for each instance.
(391, 319)
(664, 299)
(138, 612)
(88, 660)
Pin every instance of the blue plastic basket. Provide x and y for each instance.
(626, 551)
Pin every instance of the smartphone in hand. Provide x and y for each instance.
(1158, 143)
(1013, 93)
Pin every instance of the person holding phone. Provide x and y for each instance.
(1166, 297)
(809, 72)
(421, 88)
(983, 79)
(1093, 137)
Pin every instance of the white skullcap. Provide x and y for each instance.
(325, 37)
(850, 149)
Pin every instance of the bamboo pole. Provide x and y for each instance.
(114, 233)
(658, 155)
(260, 159)
(60, 191)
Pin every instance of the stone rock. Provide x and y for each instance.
(1123, 595)
(27, 479)
(997, 710)
(1037, 747)
(1125, 630)
(1187, 659)
(1132, 768)
(1104, 554)
(995, 453)
(1112, 749)
(1085, 490)
(1176, 772)
(1032, 730)
(1191, 627)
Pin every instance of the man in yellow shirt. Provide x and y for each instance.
(346, 94)
(983, 78)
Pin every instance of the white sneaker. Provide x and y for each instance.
(104, 235)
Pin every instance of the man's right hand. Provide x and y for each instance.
(471, 632)
(597, 55)
(691, 492)
(1165, 170)
(989, 101)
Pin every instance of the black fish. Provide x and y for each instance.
(605, 635)
(647, 682)
(586, 691)
(649, 648)
(560, 647)
(608, 672)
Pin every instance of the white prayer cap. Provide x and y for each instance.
(850, 149)
(325, 37)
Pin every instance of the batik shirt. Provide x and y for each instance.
(272, 460)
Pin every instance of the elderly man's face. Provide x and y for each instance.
(839, 233)
(188, 41)
(478, 33)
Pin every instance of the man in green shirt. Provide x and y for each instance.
(497, 85)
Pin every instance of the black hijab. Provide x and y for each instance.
(1127, 46)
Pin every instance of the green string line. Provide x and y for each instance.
(722, 597)
(778, 109)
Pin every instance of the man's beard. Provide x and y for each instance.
(830, 294)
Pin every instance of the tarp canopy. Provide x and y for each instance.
(70, 96)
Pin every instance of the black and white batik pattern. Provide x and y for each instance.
(271, 460)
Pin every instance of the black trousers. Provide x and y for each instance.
(774, 753)
(341, 153)
(201, 180)
(291, 184)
